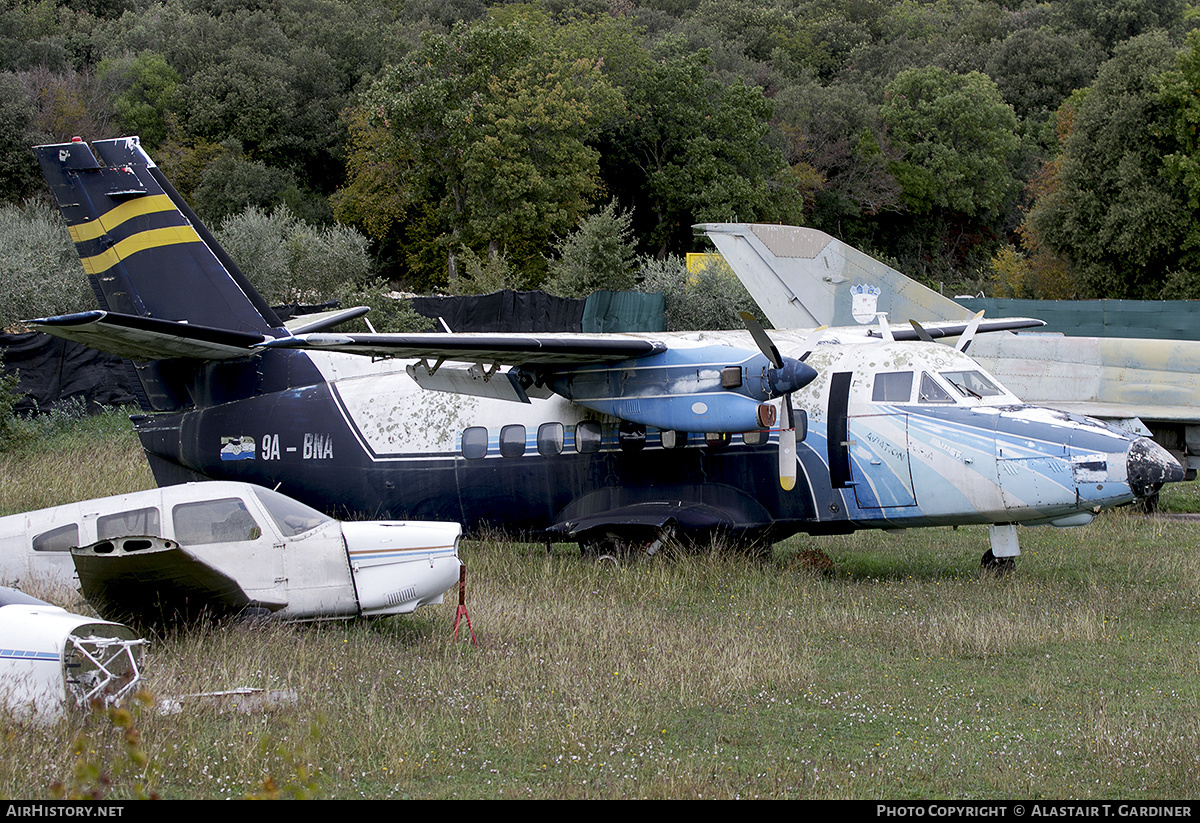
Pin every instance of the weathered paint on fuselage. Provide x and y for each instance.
(370, 442)
(801, 276)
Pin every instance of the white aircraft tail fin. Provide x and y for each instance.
(802, 277)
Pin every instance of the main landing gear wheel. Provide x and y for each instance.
(615, 547)
(999, 566)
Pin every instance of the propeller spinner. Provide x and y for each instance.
(787, 374)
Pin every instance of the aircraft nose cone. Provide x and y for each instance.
(792, 375)
(1149, 466)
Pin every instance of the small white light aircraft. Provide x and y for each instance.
(600, 439)
(225, 549)
(52, 660)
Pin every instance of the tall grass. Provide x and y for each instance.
(68, 455)
(900, 672)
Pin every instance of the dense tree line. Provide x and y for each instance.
(1028, 148)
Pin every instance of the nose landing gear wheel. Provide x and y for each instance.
(999, 566)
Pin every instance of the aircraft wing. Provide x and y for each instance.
(504, 349)
(148, 338)
(151, 581)
(936, 331)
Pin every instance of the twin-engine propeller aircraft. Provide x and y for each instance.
(221, 549)
(605, 439)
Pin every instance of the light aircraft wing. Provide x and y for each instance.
(150, 581)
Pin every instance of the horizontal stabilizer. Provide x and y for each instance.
(148, 338)
(507, 349)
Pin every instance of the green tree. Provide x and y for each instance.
(147, 100)
(231, 181)
(1115, 21)
(1037, 68)
(487, 131)
(836, 133)
(955, 142)
(956, 136)
(19, 176)
(599, 254)
(692, 150)
(711, 298)
(292, 261)
(40, 275)
(1113, 209)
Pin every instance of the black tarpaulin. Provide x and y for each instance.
(504, 311)
(52, 369)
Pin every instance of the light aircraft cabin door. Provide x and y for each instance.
(876, 436)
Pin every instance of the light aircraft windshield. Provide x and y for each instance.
(291, 516)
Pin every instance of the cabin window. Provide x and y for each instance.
(512, 441)
(550, 439)
(124, 524)
(631, 436)
(475, 443)
(932, 391)
(717, 440)
(214, 521)
(588, 437)
(754, 438)
(57, 540)
(673, 439)
(972, 384)
(892, 387)
(291, 516)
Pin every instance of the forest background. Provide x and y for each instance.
(343, 147)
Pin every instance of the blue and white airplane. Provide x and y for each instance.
(607, 440)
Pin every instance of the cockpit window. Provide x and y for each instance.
(57, 540)
(291, 516)
(972, 384)
(214, 521)
(892, 387)
(124, 524)
(932, 391)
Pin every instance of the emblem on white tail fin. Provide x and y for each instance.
(864, 299)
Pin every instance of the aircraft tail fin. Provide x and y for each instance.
(802, 277)
(144, 250)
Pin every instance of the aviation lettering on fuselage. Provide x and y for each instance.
(585, 437)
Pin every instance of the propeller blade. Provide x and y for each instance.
(787, 446)
(920, 330)
(762, 340)
(969, 334)
(810, 342)
(787, 426)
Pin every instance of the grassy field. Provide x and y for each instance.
(901, 673)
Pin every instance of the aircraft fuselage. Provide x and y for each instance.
(891, 443)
